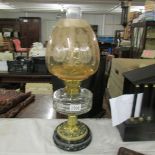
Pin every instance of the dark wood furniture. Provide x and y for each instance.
(143, 37)
(30, 30)
(126, 151)
(42, 107)
(27, 28)
(10, 24)
(141, 80)
(23, 78)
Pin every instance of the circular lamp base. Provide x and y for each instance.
(72, 145)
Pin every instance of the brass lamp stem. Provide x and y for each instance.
(72, 87)
(72, 121)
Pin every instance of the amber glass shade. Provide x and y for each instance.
(72, 52)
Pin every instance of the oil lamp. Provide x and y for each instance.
(72, 55)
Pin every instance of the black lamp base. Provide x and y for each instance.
(72, 145)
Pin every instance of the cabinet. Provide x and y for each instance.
(9, 24)
(30, 30)
(142, 38)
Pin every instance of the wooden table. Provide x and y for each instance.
(24, 78)
(42, 107)
(96, 85)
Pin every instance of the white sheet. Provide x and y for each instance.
(121, 107)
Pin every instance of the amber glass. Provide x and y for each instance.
(72, 52)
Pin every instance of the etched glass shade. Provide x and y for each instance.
(72, 52)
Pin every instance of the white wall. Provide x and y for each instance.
(107, 24)
(94, 19)
(112, 23)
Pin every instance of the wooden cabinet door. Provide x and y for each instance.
(30, 30)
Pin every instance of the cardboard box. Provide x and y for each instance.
(149, 5)
(118, 67)
(127, 33)
(132, 16)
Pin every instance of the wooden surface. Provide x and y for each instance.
(95, 84)
(42, 107)
(24, 78)
(30, 31)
